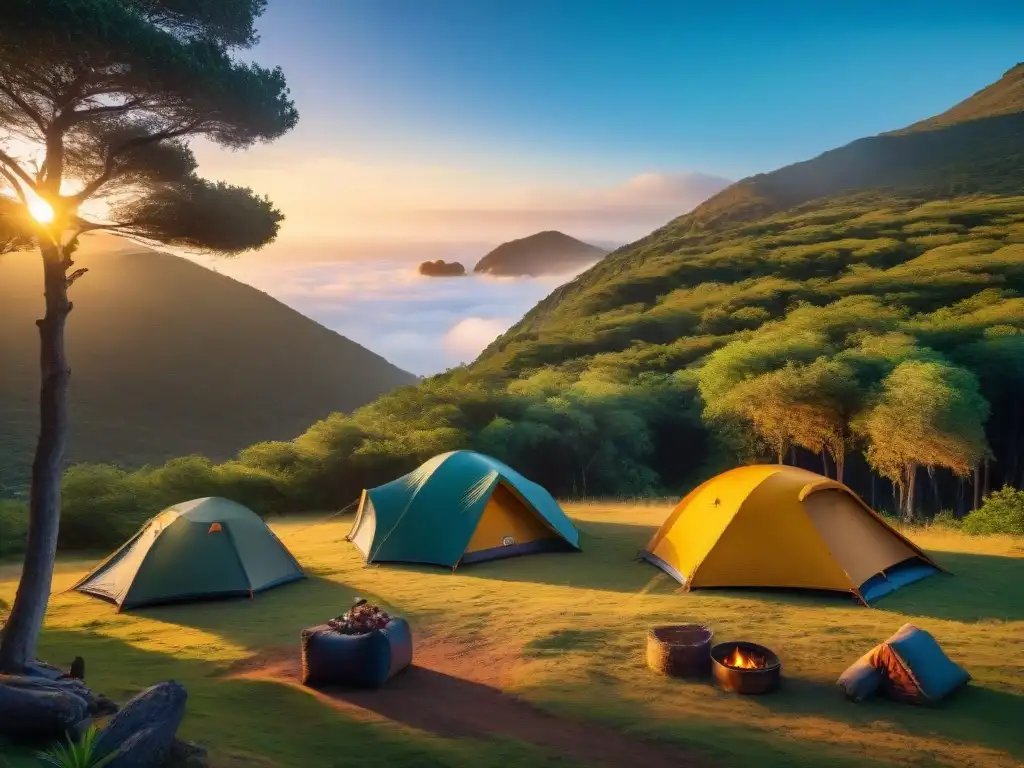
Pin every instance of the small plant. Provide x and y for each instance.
(80, 755)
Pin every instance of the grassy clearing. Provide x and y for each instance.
(577, 624)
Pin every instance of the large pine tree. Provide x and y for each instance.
(98, 99)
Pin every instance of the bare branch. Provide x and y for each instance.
(115, 152)
(13, 181)
(81, 115)
(70, 279)
(83, 226)
(27, 108)
(16, 168)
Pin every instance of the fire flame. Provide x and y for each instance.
(740, 660)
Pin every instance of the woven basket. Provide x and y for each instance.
(681, 650)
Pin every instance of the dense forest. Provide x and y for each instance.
(860, 314)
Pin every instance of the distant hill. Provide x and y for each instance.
(970, 149)
(974, 149)
(442, 268)
(170, 358)
(545, 253)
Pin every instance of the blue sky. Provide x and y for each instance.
(441, 128)
(612, 88)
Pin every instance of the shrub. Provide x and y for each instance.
(101, 506)
(1002, 512)
(947, 519)
(13, 526)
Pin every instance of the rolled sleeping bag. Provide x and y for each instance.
(862, 679)
(369, 660)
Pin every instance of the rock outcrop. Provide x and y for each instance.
(37, 708)
(143, 732)
(442, 268)
(46, 705)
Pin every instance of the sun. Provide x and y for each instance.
(40, 210)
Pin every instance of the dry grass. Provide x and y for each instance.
(575, 626)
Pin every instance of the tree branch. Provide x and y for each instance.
(74, 89)
(79, 116)
(15, 168)
(88, 226)
(14, 183)
(27, 108)
(70, 279)
(115, 152)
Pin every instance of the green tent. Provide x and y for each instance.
(459, 507)
(198, 549)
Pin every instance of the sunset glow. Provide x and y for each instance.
(39, 209)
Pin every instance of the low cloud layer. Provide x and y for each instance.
(469, 337)
(422, 324)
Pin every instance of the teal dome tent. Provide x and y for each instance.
(459, 507)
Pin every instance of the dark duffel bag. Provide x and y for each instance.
(330, 658)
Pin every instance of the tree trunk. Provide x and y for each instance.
(874, 505)
(824, 463)
(840, 462)
(976, 487)
(21, 633)
(985, 488)
(911, 482)
(1011, 475)
(935, 489)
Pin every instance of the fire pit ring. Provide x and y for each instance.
(681, 650)
(761, 678)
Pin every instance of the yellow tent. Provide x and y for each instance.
(777, 526)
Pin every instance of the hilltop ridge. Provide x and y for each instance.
(171, 358)
(1003, 97)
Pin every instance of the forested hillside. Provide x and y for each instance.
(861, 313)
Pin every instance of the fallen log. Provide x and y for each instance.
(143, 731)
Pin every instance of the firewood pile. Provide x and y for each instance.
(362, 618)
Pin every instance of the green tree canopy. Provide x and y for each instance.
(928, 413)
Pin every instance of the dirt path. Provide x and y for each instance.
(455, 691)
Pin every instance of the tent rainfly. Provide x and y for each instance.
(776, 526)
(199, 549)
(459, 507)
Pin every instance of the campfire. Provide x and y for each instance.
(739, 659)
(742, 667)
